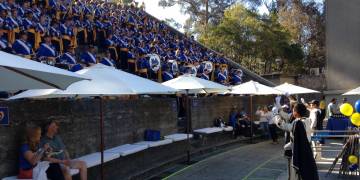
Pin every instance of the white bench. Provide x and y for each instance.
(72, 172)
(228, 128)
(208, 130)
(178, 137)
(127, 149)
(155, 143)
(13, 178)
(94, 159)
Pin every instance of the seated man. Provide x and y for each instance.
(21, 47)
(47, 53)
(62, 156)
(89, 58)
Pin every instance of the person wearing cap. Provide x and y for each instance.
(237, 77)
(46, 51)
(67, 33)
(12, 24)
(4, 44)
(110, 45)
(143, 64)
(21, 46)
(55, 142)
(166, 74)
(89, 58)
(68, 58)
(106, 60)
(221, 76)
(205, 75)
(29, 26)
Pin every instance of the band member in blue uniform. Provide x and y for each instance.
(4, 44)
(29, 26)
(205, 75)
(46, 52)
(22, 47)
(89, 57)
(110, 46)
(67, 60)
(166, 74)
(106, 60)
(67, 33)
(221, 76)
(143, 65)
(237, 77)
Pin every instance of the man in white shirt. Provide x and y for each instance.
(331, 109)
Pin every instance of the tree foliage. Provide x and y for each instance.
(202, 12)
(254, 41)
(289, 38)
(305, 21)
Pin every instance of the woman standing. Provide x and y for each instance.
(265, 115)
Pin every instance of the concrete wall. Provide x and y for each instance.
(205, 110)
(343, 44)
(125, 122)
(312, 82)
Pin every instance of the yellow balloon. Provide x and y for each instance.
(346, 109)
(353, 159)
(355, 119)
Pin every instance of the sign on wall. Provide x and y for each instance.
(4, 116)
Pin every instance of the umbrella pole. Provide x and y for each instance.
(101, 139)
(188, 126)
(251, 119)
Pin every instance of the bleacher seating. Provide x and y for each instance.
(123, 36)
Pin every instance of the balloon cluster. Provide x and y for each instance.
(353, 160)
(347, 110)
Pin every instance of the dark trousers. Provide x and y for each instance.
(54, 172)
(273, 134)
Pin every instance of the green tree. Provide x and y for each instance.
(305, 21)
(252, 40)
(202, 12)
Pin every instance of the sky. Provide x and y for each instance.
(152, 7)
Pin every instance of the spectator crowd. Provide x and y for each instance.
(77, 34)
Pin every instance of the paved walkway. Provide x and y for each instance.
(262, 161)
(258, 161)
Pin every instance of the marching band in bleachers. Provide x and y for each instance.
(75, 34)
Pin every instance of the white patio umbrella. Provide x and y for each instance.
(355, 91)
(193, 85)
(293, 89)
(106, 81)
(17, 73)
(253, 88)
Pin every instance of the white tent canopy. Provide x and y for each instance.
(254, 88)
(292, 89)
(106, 81)
(17, 73)
(195, 85)
(355, 91)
